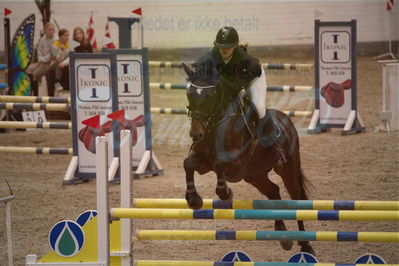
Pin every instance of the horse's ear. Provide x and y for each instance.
(188, 70)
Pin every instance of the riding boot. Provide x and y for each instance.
(268, 135)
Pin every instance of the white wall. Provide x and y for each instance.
(188, 24)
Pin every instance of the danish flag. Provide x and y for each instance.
(108, 43)
(389, 5)
(90, 33)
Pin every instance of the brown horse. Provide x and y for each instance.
(223, 142)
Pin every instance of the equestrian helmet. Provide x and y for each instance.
(227, 37)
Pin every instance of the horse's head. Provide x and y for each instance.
(202, 102)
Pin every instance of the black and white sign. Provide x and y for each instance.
(133, 97)
(335, 77)
(93, 96)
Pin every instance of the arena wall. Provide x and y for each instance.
(193, 24)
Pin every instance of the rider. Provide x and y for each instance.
(230, 63)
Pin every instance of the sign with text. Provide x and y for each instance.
(335, 66)
(133, 97)
(93, 97)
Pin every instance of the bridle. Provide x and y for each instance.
(206, 119)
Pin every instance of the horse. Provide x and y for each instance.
(224, 142)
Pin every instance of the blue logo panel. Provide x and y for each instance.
(303, 257)
(370, 259)
(66, 238)
(85, 217)
(236, 256)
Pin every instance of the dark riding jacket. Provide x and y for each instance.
(236, 74)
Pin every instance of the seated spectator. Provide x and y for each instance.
(59, 52)
(43, 64)
(80, 37)
(83, 46)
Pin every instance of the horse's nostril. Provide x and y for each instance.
(197, 136)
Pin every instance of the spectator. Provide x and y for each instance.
(59, 52)
(43, 64)
(83, 47)
(80, 37)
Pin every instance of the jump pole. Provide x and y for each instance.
(267, 235)
(303, 215)
(62, 107)
(47, 125)
(268, 66)
(283, 88)
(36, 150)
(33, 99)
(270, 204)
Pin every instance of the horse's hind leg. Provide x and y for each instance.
(272, 191)
(294, 180)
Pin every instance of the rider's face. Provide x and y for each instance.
(226, 53)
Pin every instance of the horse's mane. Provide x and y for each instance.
(204, 75)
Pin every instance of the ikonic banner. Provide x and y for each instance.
(132, 93)
(93, 98)
(335, 71)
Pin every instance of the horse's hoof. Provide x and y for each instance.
(225, 194)
(308, 248)
(286, 244)
(194, 200)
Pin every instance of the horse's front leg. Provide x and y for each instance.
(222, 190)
(194, 200)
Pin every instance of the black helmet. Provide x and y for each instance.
(227, 37)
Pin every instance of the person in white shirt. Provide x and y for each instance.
(59, 52)
(43, 64)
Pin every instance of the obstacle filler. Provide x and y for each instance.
(33, 99)
(270, 204)
(45, 125)
(36, 150)
(360, 210)
(268, 66)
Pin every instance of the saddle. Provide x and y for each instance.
(334, 92)
(88, 134)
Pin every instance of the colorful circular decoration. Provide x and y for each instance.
(370, 259)
(303, 257)
(236, 256)
(66, 238)
(85, 217)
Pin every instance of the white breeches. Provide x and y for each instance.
(257, 93)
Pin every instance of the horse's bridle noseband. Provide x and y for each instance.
(203, 117)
